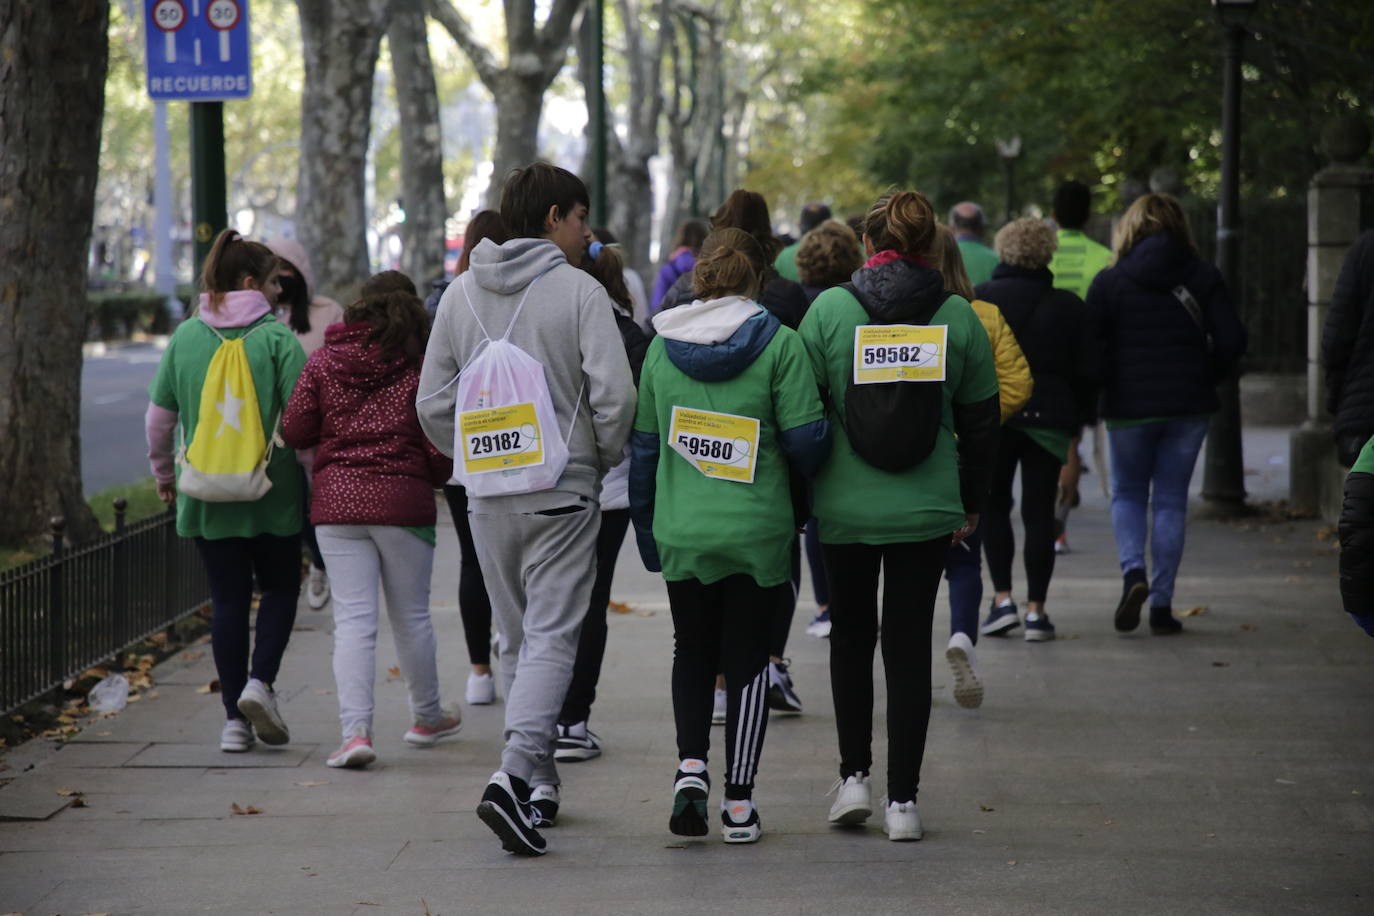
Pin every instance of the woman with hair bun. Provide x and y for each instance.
(375, 474)
(895, 511)
(1055, 332)
(726, 406)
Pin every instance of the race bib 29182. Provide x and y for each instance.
(500, 438)
(899, 353)
(719, 445)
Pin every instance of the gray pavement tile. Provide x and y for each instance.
(204, 756)
(93, 754)
(31, 801)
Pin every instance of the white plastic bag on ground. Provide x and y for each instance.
(110, 695)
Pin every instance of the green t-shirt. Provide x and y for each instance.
(1054, 441)
(709, 528)
(275, 359)
(786, 263)
(1364, 464)
(857, 503)
(979, 260)
(1076, 261)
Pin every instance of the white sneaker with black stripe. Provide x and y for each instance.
(509, 817)
(782, 696)
(576, 742)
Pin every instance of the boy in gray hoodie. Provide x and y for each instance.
(538, 550)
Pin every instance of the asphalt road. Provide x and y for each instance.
(114, 396)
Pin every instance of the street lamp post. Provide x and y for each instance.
(1223, 475)
(1009, 150)
(598, 112)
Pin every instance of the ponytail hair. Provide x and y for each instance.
(231, 258)
(388, 302)
(731, 263)
(904, 222)
(608, 267)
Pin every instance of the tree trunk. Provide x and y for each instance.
(519, 104)
(422, 156)
(53, 58)
(341, 39)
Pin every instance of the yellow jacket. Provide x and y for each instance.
(1014, 382)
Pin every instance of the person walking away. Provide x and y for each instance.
(630, 279)
(537, 547)
(474, 605)
(828, 254)
(963, 566)
(812, 215)
(1077, 260)
(894, 509)
(1168, 334)
(575, 740)
(969, 225)
(726, 394)
(307, 314)
(1348, 351)
(1054, 331)
(248, 538)
(1356, 530)
(373, 502)
(690, 234)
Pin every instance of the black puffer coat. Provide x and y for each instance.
(1055, 331)
(1348, 346)
(1155, 357)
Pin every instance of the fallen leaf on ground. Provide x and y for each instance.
(1210, 836)
(980, 833)
(97, 673)
(1193, 611)
(675, 846)
(619, 607)
(393, 671)
(1108, 822)
(68, 793)
(310, 783)
(234, 808)
(78, 801)
(212, 687)
(1221, 664)
(192, 656)
(135, 697)
(639, 613)
(1357, 793)
(985, 808)
(104, 734)
(1011, 861)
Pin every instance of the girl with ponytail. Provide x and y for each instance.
(897, 520)
(373, 504)
(727, 406)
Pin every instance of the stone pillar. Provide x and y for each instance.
(1340, 205)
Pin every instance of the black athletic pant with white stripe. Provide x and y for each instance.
(911, 577)
(723, 627)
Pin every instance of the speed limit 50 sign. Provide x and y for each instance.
(198, 50)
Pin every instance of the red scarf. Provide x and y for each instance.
(890, 255)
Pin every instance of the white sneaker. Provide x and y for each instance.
(718, 711)
(259, 704)
(968, 690)
(481, 690)
(853, 800)
(317, 589)
(545, 799)
(236, 737)
(902, 822)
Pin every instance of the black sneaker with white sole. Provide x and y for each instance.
(782, 696)
(689, 804)
(1001, 620)
(509, 818)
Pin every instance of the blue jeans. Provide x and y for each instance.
(1151, 467)
(964, 572)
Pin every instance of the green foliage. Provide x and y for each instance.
(114, 315)
(141, 496)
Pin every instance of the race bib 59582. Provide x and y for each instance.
(499, 438)
(720, 445)
(899, 353)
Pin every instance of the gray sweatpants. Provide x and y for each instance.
(539, 571)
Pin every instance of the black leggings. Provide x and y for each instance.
(231, 565)
(911, 577)
(723, 626)
(473, 604)
(1039, 486)
(591, 644)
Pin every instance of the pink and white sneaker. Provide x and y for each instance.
(355, 753)
(427, 734)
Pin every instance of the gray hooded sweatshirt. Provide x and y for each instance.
(567, 325)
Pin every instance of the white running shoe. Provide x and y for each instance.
(853, 800)
(819, 626)
(236, 737)
(739, 821)
(317, 589)
(481, 690)
(902, 821)
(718, 711)
(968, 689)
(259, 703)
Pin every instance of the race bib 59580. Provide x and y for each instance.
(499, 438)
(899, 353)
(719, 445)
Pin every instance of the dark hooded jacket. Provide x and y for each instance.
(356, 406)
(1155, 358)
(1348, 348)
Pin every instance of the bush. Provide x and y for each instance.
(119, 314)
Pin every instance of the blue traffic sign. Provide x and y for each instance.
(198, 50)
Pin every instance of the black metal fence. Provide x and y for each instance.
(68, 611)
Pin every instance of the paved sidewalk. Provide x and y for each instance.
(1229, 770)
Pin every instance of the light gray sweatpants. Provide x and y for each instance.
(539, 571)
(360, 558)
